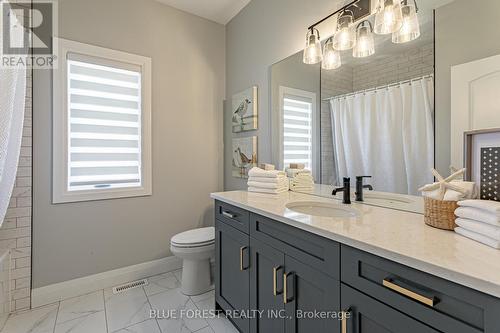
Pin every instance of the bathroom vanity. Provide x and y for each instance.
(379, 269)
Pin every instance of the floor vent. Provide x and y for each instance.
(130, 285)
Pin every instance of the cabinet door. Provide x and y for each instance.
(266, 288)
(309, 293)
(367, 315)
(232, 250)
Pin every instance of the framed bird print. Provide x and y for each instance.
(244, 110)
(244, 156)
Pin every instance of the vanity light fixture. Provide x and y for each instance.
(365, 45)
(389, 17)
(345, 37)
(312, 52)
(331, 57)
(410, 29)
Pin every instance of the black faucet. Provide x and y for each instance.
(360, 187)
(346, 190)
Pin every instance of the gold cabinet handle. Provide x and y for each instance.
(275, 280)
(241, 257)
(408, 293)
(286, 300)
(344, 319)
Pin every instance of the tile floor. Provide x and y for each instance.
(127, 312)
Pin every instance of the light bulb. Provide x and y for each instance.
(345, 37)
(312, 51)
(365, 45)
(389, 17)
(410, 29)
(331, 57)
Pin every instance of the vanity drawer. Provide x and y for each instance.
(456, 308)
(315, 251)
(232, 215)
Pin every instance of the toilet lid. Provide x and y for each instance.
(195, 236)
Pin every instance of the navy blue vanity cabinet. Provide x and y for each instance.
(363, 314)
(232, 271)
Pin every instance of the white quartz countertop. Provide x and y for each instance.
(396, 235)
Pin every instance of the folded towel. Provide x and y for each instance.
(265, 166)
(435, 194)
(267, 190)
(291, 173)
(479, 227)
(478, 237)
(280, 179)
(267, 185)
(297, 165)
(489, 206)
(478, 215)
(257, 172)
(470, 188)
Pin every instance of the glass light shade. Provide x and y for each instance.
(365, 45)
(345, 37)
(410, 29)
(389, 17)
(312, 52)
(331, 57)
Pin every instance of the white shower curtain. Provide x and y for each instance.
(388, 134)
(12, 96)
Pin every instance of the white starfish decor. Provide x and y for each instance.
(444, 184)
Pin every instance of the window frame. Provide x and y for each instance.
(60, 114)
(284, 91)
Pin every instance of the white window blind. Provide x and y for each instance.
(104, 115)
(297, 130)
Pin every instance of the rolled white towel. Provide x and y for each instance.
(492, 207)
(481, 228)
(470, 191)
(435, 194)
(280, 179)
(478, 237)
(267, 190)
(267, 185)
(478, 215)
(258, 172)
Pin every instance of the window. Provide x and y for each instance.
(102, 124)
(298, 137)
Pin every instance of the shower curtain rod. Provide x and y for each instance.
(380, 87)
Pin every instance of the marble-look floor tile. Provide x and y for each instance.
(161, 283)
(89, 323)
(40, 320)
(207, 329)
(178, 274)
(175, 300)
(202, 297)
(81, 306)
(148, 326)
(125, 309)
(220, 324)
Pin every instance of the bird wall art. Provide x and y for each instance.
(244, 156)
(244, 110)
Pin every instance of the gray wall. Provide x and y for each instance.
(263, 33)
(188, 55)
(465, 31)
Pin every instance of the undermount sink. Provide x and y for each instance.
(322, 209)
(386, 198)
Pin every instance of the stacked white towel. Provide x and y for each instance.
(480, 221)
(300, 179)
(267, 181)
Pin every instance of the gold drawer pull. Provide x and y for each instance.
(344, 319)
(241, 258)
(275, 280)
(406, 292)
(286, 300)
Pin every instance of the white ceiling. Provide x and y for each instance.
(220, 11)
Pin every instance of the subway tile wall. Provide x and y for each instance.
(15, 233)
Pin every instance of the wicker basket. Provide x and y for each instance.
(440, 214)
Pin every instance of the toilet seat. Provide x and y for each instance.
(194, 238)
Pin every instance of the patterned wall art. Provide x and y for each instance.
(482, 160)
(244, 110)
(244, 156)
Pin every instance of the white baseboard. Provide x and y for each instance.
(81, 286)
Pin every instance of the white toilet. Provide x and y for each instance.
(195, 248)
